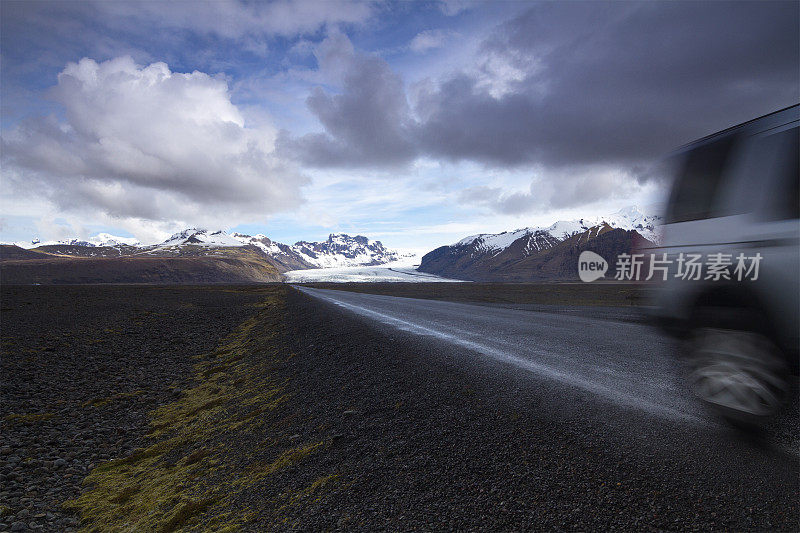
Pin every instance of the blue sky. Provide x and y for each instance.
(415, 123)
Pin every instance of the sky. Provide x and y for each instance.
(415, 123)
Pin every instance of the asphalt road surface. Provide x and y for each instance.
(604, 357)
(620, 362)
(546, 407)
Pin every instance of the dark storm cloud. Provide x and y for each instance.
(573, 84)
(619, 82)
(367, 124)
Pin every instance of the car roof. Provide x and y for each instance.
(770, 120)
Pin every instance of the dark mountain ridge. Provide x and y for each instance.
(533, 257)
(239, 266)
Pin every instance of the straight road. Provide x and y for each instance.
(625, 363)
(606, 360)
(554, 406)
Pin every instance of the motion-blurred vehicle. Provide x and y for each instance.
(736, 193)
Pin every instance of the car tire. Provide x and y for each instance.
(738, 372)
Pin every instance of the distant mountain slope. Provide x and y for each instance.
(246, 266)
(341, 250)
(13, 252)
(629, 218)
(282, 254)
(337, 250)
(99, 240)
(198, 237)
(79, 250)
(207, 256)
(532, 254)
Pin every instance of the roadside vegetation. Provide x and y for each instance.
(213, 448)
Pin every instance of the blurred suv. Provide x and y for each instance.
(734, 209)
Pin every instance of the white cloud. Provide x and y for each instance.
(428, 40)
(572, 188)
(147, 144)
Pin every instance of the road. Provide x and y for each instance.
(579, 417)
(607, 360)
(621, 362)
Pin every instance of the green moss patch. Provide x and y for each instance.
(100, 402)
(29, 418)
(213, 448)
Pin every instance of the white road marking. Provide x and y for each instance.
(616, 396)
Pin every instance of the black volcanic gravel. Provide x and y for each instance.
(94, 360)
(417, 435)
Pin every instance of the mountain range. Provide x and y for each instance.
(337, 251)
(191, 256)
(542, 253)
(201, 256)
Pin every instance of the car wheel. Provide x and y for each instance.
(739, 374)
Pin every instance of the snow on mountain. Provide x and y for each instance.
(629, 218)
(262, 242)
(30, 244)
(495, 241)
(341, 250)
(101, 239)
(283, 254)
(201, 237)
(106, 239)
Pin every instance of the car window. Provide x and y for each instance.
(784, 198)
(697, 184)
(763, 177)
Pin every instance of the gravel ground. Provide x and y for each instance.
(378, 429)
(81, 369)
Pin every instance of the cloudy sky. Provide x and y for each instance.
(414, 123)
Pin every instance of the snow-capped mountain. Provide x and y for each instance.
(343, 250)
(101, 239)
(200, 237)
(629, 218)
(339, 250)
(106, 239)
(283, 254)
(632, 218)
(541, 253)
